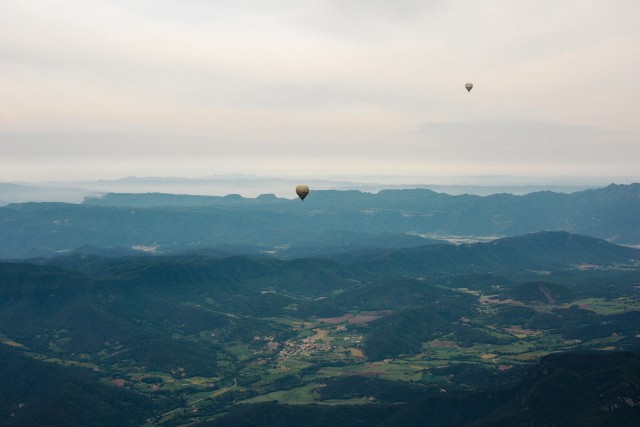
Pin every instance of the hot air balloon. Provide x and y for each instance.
(302, 191)
(469, 86)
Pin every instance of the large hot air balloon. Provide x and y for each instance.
(469, 86)
(302, 191)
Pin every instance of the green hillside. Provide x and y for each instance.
(195, 336)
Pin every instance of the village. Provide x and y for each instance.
(336, 344)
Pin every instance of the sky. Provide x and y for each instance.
(93, 89)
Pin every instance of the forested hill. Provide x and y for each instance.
(96, 300)
(536, 251)
(179, 339)
(327, 221)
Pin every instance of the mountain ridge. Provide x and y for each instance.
(281, 227)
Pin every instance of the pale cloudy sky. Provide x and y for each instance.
(103, 89)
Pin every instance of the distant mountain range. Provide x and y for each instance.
(328, 222)
(253, 186)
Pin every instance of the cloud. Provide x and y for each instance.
(224, 81)
(534, 142)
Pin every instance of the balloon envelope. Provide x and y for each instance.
(302, 191)
(469, 86)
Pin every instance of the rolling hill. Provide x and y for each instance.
(189, 336)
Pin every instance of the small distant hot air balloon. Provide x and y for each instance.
(302, 191)
(469, 86)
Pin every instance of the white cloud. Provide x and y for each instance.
(246, 84)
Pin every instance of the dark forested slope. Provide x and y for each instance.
(36, 393)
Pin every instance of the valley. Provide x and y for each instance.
(348, 315)
(198, 336)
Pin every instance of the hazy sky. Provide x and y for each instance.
(319, 88)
